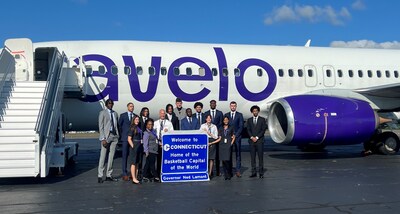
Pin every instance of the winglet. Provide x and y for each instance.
(308, 43)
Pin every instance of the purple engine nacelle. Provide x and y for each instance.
(317, 119)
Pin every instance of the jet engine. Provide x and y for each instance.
(321, 120)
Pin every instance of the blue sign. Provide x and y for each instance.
(184, 157)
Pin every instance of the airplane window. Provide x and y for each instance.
(290, 72)
(280, 71)
(163, 71)
(127, 70)
(300, 72)
(237, 72)
(310, 72)
(214, 71)
(378, 73)
(259, 72)
(396, 74)
(351, 73)
(102, 70)
(152, 71)
(340, 73)
(387, 73)
(114, 70)
(369, 73)
(360, 73)
(176, 71)
(139, 70)
(328, 73)
(202, 72)
(225, 72)
(89, 69)
(189, 71)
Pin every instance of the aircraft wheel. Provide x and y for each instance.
(388, 143)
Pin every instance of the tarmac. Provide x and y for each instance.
(337, 180)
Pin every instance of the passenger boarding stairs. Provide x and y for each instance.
(29, 118)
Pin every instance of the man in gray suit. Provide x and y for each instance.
(108, 129)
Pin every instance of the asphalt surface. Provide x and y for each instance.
(337, 180)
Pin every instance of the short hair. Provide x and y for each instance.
(178, 99)
(129, 104)
(109, 101)
(213, 101)
(198, 104)
(188, 109)
(254, 107)
(148, 121)
(233, 102)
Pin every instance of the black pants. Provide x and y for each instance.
(150, 166)
(159, 159)
(227, 165)
(257, 148)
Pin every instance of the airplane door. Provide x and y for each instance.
(329, 76)
(311, 75)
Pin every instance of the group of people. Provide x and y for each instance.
(141, 137)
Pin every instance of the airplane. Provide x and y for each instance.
(312, 96)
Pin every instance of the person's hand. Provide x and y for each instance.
(166, 130)
(147, 154)
(104, 143)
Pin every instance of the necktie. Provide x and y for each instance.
(213, 115)
(112, 122)
(130, 116)
(255, 120)
(161, 127)
(232, 115)
(190, 121)
(199, 118)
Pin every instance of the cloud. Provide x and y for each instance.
(358, 5)
(308, 13)
(366, 44)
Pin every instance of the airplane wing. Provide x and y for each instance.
(384, 91)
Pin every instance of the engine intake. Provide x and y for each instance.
(318, 119)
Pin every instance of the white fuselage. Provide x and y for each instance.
(265, 73)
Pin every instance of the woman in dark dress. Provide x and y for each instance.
(170, 115)
(135, 141)
(226, 132)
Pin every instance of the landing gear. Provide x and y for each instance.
(386, 143)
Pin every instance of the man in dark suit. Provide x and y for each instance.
(256, 127)
(237, 122)
(189, 122)
(216, 119)
(198, 107)
(124, 124)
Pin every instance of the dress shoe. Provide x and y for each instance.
(253, 175)
(100, 180)
(138, 182)
(156, 179)
(111, 179)
(261, 176)
(238, 174)
(125, 178)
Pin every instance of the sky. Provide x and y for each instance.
(343, 23)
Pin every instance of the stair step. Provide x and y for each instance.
(17, 147)
(22, 171)
(16, 155)
(17, 139)
(22, 106)
(21, 94)
(16, 132)
(18, 125)
(24, 89)
(19, 118)
(41, 84)
(17, 112)
(23, 100)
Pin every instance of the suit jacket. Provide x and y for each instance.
(105, 123)
(203, 118)
(142, 123)
(257, 130)
(174, 121)
(124, 124)
(219, 116)
(237, 123)
(185, 125)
